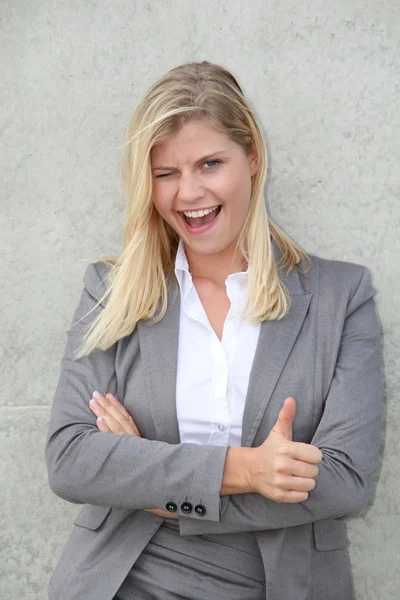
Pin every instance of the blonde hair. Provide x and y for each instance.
(137, 286)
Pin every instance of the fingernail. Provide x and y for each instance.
(97, 395)
(93, 403)
(100, 420)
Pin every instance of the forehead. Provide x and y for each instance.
(193, 140)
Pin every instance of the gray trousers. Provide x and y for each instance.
(227, 567)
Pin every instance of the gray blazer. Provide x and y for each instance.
(325, 353)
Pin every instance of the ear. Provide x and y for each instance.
(253, 159)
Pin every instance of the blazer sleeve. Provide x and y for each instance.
(89, 466)
(348, 436)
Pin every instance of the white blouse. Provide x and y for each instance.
(213, 375)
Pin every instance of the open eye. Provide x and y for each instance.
(210, 164)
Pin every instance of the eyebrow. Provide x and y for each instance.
(200, 160)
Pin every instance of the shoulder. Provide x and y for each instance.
(334, 272)
(95, 282)
(96, 279)
(335, 280)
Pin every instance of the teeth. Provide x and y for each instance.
(199, 213)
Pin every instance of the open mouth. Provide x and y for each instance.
(200, 218)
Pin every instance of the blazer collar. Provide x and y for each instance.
(159, 350)
(275, 343)
(292, 279)
(95, 280)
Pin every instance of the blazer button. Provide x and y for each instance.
(200, 510)
(186, 507)
(171, 507)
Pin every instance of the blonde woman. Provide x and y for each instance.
(218, 409)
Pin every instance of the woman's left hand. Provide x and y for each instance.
(112, 417)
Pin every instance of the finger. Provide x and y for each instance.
(296, 484)
(113, 425)
(292, 497)
(102, 425)
(299, 468)
(124, 420)
(285, 419)
(162, 513)
(121, 408)
(117, 404)
(96, 409)
(125, 416)
(114, 410)
(303, 452)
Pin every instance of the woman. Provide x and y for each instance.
(218, 409)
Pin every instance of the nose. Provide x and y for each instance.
(190, 188)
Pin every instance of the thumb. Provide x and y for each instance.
(286, 415)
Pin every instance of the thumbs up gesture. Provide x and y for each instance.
(283, 470)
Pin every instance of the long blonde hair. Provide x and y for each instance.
(137, 280)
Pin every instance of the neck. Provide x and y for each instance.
(215, 267)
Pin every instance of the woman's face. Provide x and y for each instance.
(202, 186)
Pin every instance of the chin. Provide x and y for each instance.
(209, 249)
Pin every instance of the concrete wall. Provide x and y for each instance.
(324, 77)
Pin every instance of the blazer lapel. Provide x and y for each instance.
(159, 350)
(275, 343)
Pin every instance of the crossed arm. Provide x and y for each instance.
(281, 470)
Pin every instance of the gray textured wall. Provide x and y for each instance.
(325, 80)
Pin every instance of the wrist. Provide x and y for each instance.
(236, 478)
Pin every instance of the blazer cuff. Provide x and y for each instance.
(202, 501)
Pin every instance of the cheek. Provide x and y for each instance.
(239, 190)
(160, 201)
